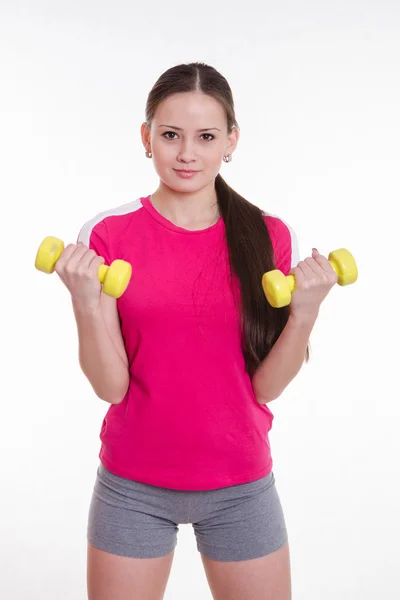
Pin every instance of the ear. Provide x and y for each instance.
(233, 140)
(145, 134)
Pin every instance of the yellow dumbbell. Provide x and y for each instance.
(278, 287)
(115, 278)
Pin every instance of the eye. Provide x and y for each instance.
(210, 136)
(169, 133)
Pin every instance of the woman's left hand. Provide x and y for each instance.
(314, 279)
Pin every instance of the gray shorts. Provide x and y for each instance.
(138, 520)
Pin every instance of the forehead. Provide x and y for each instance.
(191, 109)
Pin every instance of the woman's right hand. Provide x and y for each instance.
(77, 268)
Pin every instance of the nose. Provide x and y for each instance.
(187, 152)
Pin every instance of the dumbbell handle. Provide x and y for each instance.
(291, 280)
(58, 246)
(278, 288)
(114, 278)
(103, 269)
(102, 273)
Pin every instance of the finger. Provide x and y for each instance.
(88, 262)
(65, 257)
(96, 260)
(328, 270)
(76, 257)
(78, 250)
(305, 269)
(94, 264)
(314, 266)
(298, 275)
(322, 261)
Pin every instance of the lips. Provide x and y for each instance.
(185, 173)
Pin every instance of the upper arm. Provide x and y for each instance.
(94, 235)
(284, 243)
(109, 311)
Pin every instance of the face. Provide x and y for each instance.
(188, 138)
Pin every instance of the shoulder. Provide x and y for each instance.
(111, 218)
(277, 228)
(284, 242)
(101, 232)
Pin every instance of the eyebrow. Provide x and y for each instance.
(180, 128)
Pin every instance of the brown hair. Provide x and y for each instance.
(249, 243)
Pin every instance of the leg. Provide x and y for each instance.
(242, 538)
(131, 540)
(123, 578)
(265, 578)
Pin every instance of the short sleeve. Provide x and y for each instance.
(284, 243)
(95, 236)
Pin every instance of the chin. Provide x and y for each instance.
(186, 185)
(182, 185)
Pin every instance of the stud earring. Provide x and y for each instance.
(149, 155)
(227, 158)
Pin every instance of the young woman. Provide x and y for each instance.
(189, 359)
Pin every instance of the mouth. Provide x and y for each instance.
(185, 173)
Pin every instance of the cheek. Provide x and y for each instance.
(163, 155)
(158, 147)
(211, 153)
(218, 149)
(215, 158)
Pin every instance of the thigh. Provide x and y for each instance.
(265, 578)
(129, 519)
(131, 540)
(241, 522)
(244, 544)
(123, 578)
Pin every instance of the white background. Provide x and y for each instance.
(317, 94)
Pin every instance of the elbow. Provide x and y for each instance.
(267, 399)
(264, 394)
(112, 390)
(113, 396)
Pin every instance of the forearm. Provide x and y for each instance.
(98, 357)
(284, 360)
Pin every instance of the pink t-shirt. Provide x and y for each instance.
(190, 419)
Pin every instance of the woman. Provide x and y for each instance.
(189, 358)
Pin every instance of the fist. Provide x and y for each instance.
(77, 268)
(314, 277)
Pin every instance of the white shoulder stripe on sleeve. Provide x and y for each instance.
(295, 245)
(295, 258)
(124, 209)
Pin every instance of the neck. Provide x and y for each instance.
(196, 209)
